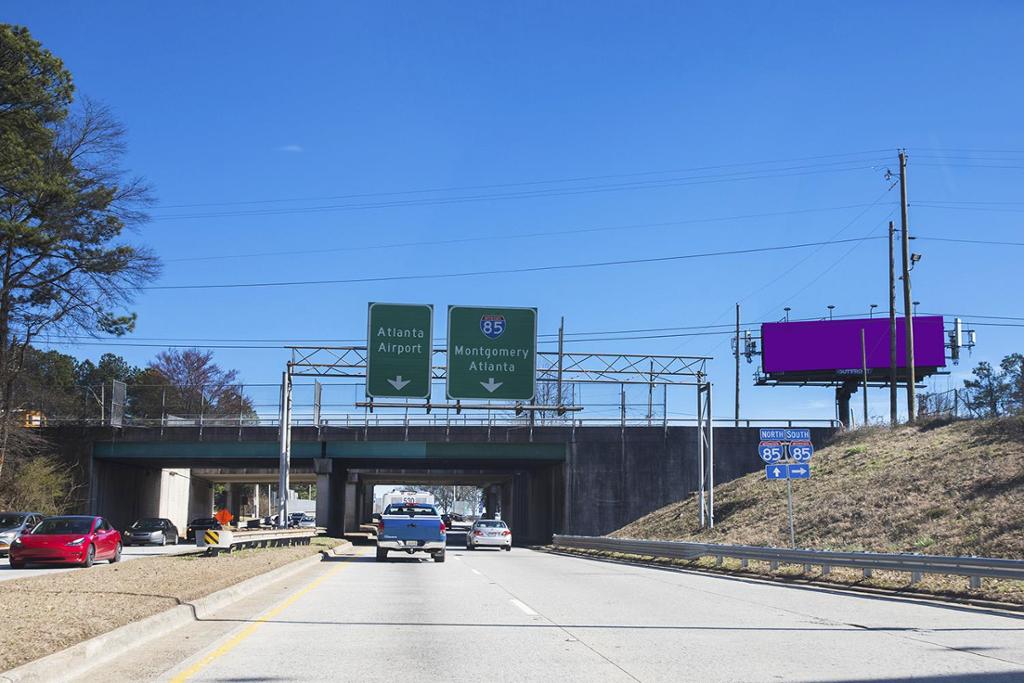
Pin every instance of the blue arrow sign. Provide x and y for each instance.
(776, 471)
(800, 471)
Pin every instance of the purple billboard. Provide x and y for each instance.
(824, 346)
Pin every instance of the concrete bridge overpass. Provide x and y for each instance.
(548, 479)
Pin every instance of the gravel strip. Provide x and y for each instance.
(45, 614)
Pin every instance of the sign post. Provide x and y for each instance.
(492, 353)
(399, 349)
(788, 454)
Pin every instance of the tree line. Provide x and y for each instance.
(177, 383)
(992, 391)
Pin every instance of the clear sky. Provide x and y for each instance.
(308, 131)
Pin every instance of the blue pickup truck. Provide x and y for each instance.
(410, 528)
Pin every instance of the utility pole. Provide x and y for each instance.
(893, 410)
(737, 365)
(908, 315)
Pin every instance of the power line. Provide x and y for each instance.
(551, 181)
(520, 235)
(508, 271)
(552, 192)
(967, 241)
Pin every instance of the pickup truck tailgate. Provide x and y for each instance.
(411, 528)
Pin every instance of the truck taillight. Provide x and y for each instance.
(442, 527)
(380, 527)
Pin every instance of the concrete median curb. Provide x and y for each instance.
(90, 654)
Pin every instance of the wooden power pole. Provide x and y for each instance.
(737, 365)
(907, 306)
(893, 408)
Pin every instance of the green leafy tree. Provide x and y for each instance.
(987, 392)
(1013, 373)
(65, 202)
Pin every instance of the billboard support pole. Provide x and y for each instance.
(907, 310)
(864, 368)
(893, 407)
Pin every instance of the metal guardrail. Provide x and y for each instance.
(215, 541)
(975, 568)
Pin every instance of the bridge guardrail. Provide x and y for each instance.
(216, 540)
(975, 568)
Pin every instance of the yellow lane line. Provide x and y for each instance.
(252, 628)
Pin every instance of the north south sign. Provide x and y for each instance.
(492, 353)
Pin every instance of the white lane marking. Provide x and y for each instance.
(525, 608)
(475, 571)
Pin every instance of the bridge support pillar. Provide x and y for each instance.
(351, 509)
(325, 505)
(233, 501)
(491, 496)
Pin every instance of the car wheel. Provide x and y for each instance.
(163, 540)
(117, 554)
(175, 541)
(17, 564)
(382, 555)
(469, 546)
(439, 557)
(90, 556)
(508, 548)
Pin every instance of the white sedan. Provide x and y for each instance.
(492, 533)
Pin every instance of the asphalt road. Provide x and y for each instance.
(526, 615)
(131, 553)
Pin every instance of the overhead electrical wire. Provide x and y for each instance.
(550, 192)
(519, 235)
(505, 271)
(550, 181)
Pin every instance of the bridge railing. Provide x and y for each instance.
(975, 568)
(368, 420)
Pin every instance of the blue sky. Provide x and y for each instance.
(658, 106)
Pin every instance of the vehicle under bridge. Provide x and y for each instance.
(585, 480)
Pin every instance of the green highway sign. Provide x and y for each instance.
(399, 350)
(492, 353)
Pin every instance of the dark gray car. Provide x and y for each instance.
(151, 530)
(13, 525)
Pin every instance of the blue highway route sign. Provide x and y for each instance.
(801, 451)
(770, 451)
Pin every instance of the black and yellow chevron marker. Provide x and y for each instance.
(211, 537)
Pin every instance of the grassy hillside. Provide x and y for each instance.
(938, 488)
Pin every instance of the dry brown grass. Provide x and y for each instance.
(954, 489)
(54, 612)
(939, 488)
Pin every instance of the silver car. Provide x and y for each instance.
(151, 530)
(489, 533)
(13, 525)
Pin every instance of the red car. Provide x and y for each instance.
(70, 539)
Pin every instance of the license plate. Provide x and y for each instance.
(412, 543)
